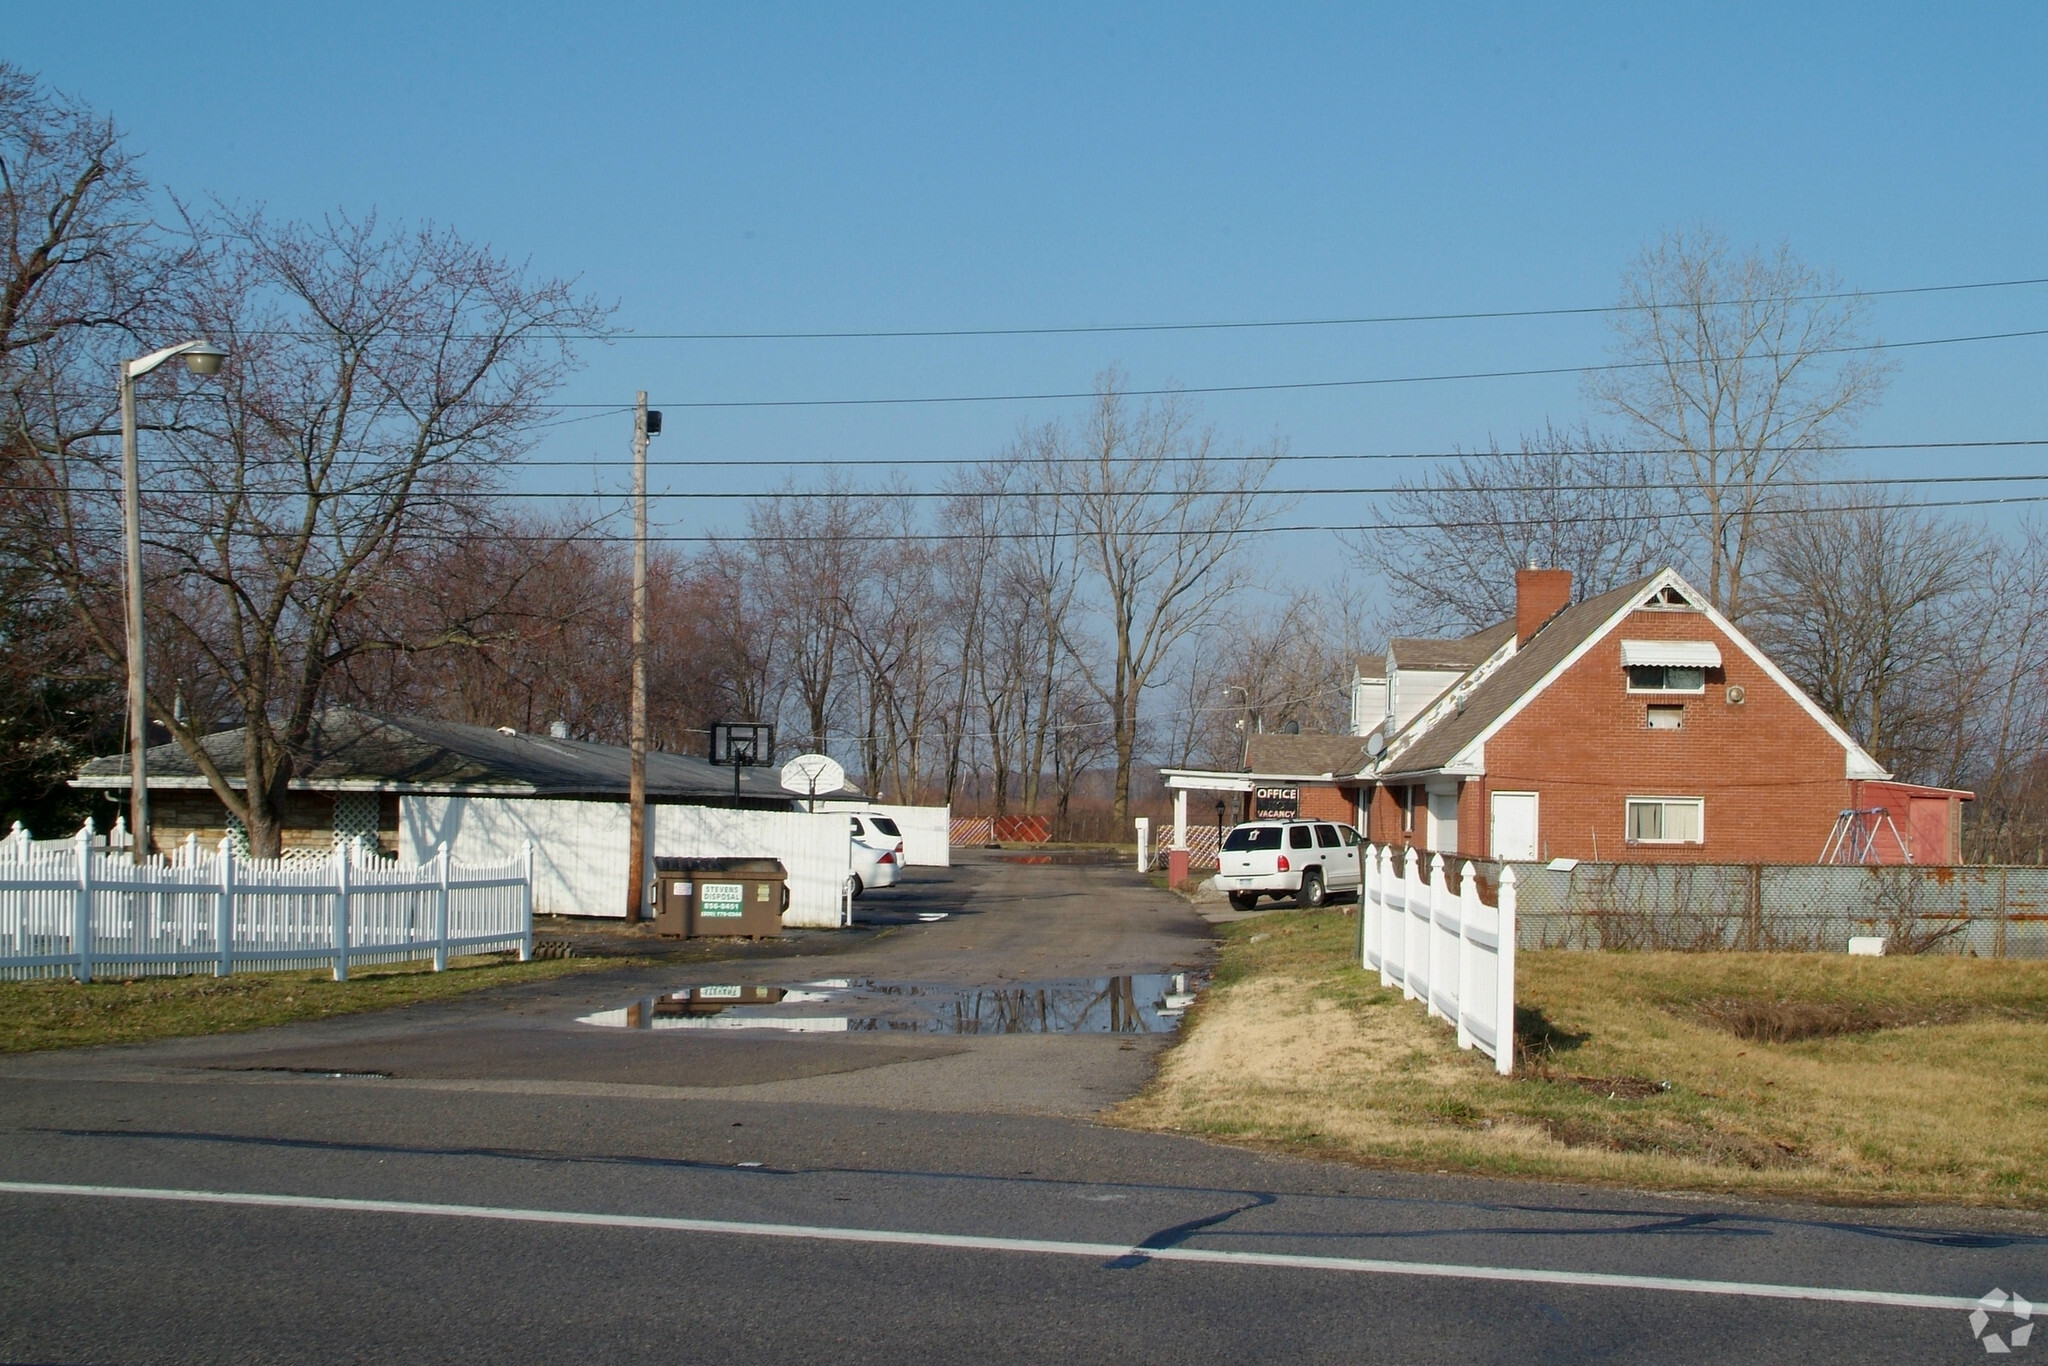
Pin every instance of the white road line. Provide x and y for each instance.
(1043, 1247)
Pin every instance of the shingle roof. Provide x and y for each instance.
(1339, 754)
(1435, 655)
(1542, 652)
(412, 754)
(1370, 666)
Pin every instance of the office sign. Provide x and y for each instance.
(1276, 803)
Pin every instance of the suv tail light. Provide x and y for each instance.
(1283, 863)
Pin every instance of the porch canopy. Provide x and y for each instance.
(1181, 781)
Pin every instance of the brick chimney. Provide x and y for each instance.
(1540, 594)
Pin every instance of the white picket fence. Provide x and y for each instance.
(78, 910)
(1449, 950)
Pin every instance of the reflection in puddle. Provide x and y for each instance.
(1140, 1003)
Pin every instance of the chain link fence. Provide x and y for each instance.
(1987, 912)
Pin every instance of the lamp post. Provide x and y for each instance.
(1219, 834)
(201, 358)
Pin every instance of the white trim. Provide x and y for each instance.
(1857, 763)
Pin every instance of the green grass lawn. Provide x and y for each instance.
(64, 1014)
(1820, 1075)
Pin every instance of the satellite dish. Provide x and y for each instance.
(811, 774)
(1375, 744)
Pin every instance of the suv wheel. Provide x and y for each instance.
(1243, 901)
(1312, 893)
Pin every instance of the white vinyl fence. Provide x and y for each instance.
(581, 847)
(81, 911)
(927, 830)
(1450, 950)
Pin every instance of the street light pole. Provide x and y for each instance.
(201, 358)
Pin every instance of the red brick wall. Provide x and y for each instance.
(1771, 777)
(1324, 802)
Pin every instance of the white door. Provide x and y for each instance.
(1514, 826)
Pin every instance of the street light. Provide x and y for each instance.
(201, 357)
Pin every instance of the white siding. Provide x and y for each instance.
(580, 848)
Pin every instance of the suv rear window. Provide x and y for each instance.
(886, 826)
(1252, 837)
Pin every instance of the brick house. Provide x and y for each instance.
(1638, 725)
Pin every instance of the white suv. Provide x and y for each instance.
(1304, 859)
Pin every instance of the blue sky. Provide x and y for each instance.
(746, 168)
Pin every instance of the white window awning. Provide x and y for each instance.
(1677, 654)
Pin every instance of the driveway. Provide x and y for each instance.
(493, 1180)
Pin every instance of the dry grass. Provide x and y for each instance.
(1817, 1075)
(64, 1014)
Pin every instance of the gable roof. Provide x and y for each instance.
(1542, 652)
(1341, 755)
(1436, 656)
(1557, 645)
(1370, 668)
(358, 751)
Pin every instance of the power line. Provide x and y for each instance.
(1099, 329)
(1296, 386)
(1282, 457)
(888, 495)
(929, 537)
(1288, 386)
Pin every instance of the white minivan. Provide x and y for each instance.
(1306, 860)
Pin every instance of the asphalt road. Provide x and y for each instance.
(496, 1182)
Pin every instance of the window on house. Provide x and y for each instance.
(1666, 717)
(1666, 678)
(1666, 820)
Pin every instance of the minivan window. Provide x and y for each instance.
(1252, 837)
(886, 826)
(1298, 837)
(1326, 836)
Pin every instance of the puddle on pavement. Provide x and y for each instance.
(1139, 1003)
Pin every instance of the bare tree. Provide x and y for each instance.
(82, 273)
(380, 379)
(1564, 500)
(1158, 512)
(1744, 369)
(1859, 603)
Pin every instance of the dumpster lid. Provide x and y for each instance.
(760, 867)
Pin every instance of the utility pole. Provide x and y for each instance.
(636, 789)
